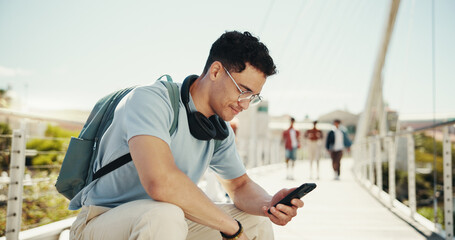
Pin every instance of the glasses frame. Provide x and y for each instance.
(252, 100)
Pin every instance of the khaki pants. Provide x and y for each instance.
(148, 219)
(314, 150)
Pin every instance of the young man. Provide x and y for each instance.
(291, 138)
(155, 196)
(337, 140)
(314, 136)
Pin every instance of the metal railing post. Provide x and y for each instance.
(365, 161)
(447, 169)
(411, 175)
(392, 160)
(17, 166)
(371, 160)
(267, 152)
(378, 164)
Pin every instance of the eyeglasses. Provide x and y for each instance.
(245, 96)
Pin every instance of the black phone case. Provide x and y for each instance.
(297, 193)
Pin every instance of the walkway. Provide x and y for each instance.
(335, 209)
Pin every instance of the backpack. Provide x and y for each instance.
(77, 167)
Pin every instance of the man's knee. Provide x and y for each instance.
(161, 219)
(259, 228)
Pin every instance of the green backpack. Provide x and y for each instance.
(77, 167)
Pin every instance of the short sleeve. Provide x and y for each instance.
(226, 161)
(148, 111)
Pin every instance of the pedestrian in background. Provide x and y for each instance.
(314, 137)
(291, 143)
(337, 140)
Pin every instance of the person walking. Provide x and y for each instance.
(337, 140)
(291, 138)
(314, 137)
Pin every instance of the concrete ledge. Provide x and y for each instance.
(49, 231)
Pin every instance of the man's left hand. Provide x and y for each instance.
(282, 214)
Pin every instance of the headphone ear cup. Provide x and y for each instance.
(219, 124)
(200, 127)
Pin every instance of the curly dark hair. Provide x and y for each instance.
(234, 49)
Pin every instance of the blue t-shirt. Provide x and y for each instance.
(147, 110)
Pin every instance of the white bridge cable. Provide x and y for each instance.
(302, 11)
(266, 18)
(327, 43)
(319, 49)
(404, 81)
(361, 26)
(308, 36)
(340, 40)
(314, 48)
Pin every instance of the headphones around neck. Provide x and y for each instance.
(202, 128)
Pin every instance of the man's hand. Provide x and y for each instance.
(282, 214)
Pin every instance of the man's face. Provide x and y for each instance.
(227, 94)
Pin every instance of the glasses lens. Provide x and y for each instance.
(245, 96)
(255, 100)
(249, 97)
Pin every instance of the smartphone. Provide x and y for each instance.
(297, 193)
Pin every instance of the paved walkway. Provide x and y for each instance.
(335, 209)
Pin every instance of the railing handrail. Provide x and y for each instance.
(410, 131)
(21, 114)
(442, 124)
(369, 155)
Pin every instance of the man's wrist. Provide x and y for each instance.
(235, 235)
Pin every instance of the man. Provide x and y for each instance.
(291, 143)
(155, 196)
(337, 140)
(314, 136)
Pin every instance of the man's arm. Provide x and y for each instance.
(163, 181)
(251, 198)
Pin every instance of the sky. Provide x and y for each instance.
(67, 55)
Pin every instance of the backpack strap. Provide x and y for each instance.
(174, 96)
(217, 145)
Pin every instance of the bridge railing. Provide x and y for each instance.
(20, 186)
(410, 172)
(28, 198)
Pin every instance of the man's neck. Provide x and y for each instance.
(198, 92)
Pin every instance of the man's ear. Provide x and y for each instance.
(215, 70)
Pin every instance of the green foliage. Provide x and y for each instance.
(41, 205)
(428, 213)
(5, 144)
(45, 159)
(426, 144)
(5, 129)
(424, 156)
(45, 145)
(55, 145)
(55, 131)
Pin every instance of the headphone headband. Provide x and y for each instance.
(201, 127)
